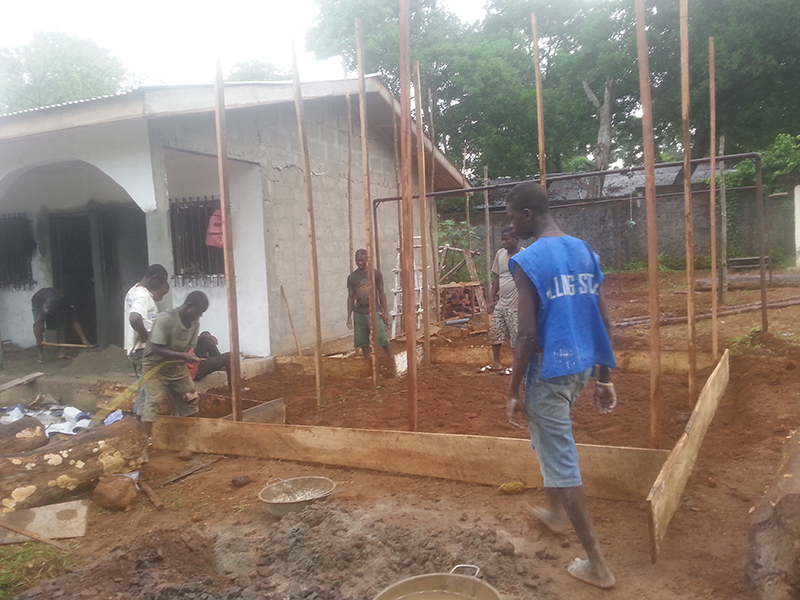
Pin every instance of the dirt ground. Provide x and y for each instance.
(215, 541)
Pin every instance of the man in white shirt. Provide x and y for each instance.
(503, 307)
(140, 313)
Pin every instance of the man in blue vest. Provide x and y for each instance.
(564, 333)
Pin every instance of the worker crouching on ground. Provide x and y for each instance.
(211, 359)
(170, 387)
(564, 333)
(358, 308)
(52, 310)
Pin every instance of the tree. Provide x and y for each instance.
(256, 70)
(55, 68)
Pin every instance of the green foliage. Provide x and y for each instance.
(256, 70)
(579, 164)
(24, 565)
(748, 341)
(482, 82)
(454, 234)
(56, 67)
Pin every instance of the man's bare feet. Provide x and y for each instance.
(592, 574)
(554, 521)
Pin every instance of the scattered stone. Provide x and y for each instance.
(565, 544)
(185, 455)
(240, 481)
(198, 516)
(115, 492)
(530, 583)
(712, 483)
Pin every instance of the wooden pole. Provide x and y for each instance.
(761, 245)
(488, 236)
(712, 202)
(368, 224)
(349, 108)
(227, 245)
(723, 216)
(407, 254)
(312, 230)
(539, 101)
(652, 227)
(687, 200)
(425, 296)
(434, 223)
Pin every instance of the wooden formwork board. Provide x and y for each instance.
(610, 472)
(631, 361)
(665, 496)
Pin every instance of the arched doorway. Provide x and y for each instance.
(91, 243)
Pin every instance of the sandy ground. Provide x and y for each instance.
(213, 540)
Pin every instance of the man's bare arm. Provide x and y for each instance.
(165, 352)
(603, 372)
(526, 343)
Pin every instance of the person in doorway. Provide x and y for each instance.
(167, 353)
(53, 310)
(503, 306)
(140, 313)
(358, 294)
(211, 360)
(564, 333)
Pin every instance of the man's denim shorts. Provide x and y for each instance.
(547, 404)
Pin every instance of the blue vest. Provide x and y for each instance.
(567, 276)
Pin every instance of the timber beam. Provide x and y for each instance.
(609, 472)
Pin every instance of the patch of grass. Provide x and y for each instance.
(24, 565)
(748, 341)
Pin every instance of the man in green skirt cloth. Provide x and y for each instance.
(358, 307)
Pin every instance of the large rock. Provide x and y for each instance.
(115, 492)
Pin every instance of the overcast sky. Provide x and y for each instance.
(178, 41)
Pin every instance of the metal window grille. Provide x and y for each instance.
(17, 244)
(194, 261)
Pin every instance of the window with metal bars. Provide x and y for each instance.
(194, 260)
(17, 244)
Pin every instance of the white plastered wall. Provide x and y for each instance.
(108, 163)
(192, 175)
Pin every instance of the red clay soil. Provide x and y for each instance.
(379, 528)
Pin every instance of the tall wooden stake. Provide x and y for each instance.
(652, 227)
(539, 101)
(488, 236)
(349, 108)
(687, 200)
(762, 268)
(312, 230)
(407, 254)
(712, 202)
(434, 223)
(723, 216)
(227, 244)
(362, 112)
(425, 295)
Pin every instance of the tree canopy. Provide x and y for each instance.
(256, 70)
(55, 68)
(482, 85)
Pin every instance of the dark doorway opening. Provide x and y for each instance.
(73, 271)
(97, 257)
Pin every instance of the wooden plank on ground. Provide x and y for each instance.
(631, 361)
(54, 521)
(665, 497)
(608, 472)
(21, 381)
